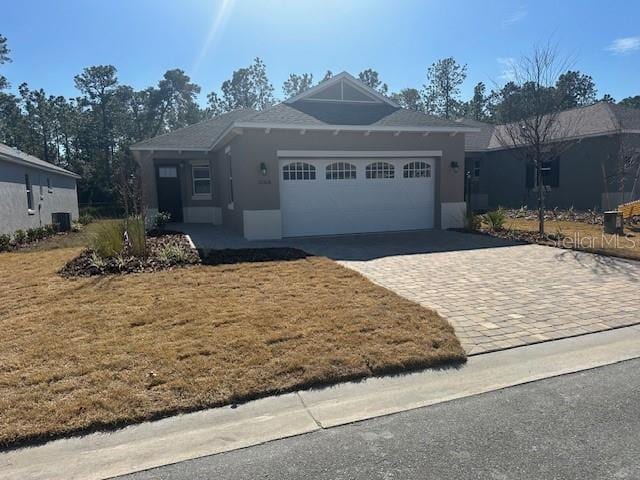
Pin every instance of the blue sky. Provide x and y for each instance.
(51, 41)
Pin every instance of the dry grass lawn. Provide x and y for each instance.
(583, 236)
(100, 352)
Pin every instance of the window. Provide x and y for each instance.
(476, 168)
(417, 170)
(49, 189)
(168, 172)
(201, 175)
(550, 174)
(379, 170)
(299, 171)
(27, 183)
(341, 171)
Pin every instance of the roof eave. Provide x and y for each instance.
(58, 171)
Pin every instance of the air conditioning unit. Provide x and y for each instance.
(62, 221)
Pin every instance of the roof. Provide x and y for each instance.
(302, 112)
(475, 142)
(14, 155)
(601, 118)
(199, 136)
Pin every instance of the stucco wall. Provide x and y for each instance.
(253, 191)
(581, 180)
(14, 214)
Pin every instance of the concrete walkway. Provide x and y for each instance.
(139, 447)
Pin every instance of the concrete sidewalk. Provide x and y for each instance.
(139, 447)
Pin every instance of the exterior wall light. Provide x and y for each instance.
(455, 166)
(263, 169)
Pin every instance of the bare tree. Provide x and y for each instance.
(542, 132)
(627, 167)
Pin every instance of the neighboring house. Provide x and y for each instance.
(31, 190)
(338, 158)
(601, 134)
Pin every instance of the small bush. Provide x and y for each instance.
(137, 236)
(32, 234)
(108, 239)
(19, 237)
(49, 230)
(5, 242)
(495, 219)
(85, 219)
(173, 253)
(161, 219)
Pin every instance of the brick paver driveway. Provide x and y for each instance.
(496, 295)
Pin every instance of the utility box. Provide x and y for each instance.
(613, 223)
(62, 221)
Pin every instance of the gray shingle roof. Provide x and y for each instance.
(334, 113)
(14, 155)
(202, 135)
(199, 136)
(601, 118)
(475, 142)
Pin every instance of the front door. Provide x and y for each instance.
(169, 194)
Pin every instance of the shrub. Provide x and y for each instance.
(19, 237)
(137, 236)
(495, 219)
(108, 239)
(85, 219)
(161, 219)
(49, 230)
(32, 234)
(5, 242)
(173, 253)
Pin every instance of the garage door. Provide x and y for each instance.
(335, 196)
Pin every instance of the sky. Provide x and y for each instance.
(51, 41)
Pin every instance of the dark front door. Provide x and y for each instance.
(169, 195)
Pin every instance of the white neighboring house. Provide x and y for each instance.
(31, 190)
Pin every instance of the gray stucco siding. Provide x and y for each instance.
(581, 178)
(14, 213)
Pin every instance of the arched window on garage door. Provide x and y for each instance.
(379, 170)
(298, 171)
(416, 170)
(341, 171)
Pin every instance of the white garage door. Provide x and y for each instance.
(334, 196)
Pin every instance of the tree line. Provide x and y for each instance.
(91, 132)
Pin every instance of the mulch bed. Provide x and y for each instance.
(591, 217)
(230, 256)
(85, 265)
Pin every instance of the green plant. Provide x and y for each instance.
(85, 219)
(495, 219)
(19, 237)
(108, 239)
(5, 242)
(33, 234)
(161, 219)
(97, 261)
(137, 236)
(172, 254)
(49, 230)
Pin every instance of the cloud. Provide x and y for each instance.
(621, 46)
(514, 18)
(506, 64)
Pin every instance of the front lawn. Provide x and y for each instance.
(583, 236)
(98, 352)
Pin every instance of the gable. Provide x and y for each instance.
(343, 88)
